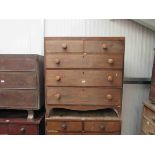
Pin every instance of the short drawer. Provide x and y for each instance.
(83, 96)
(18, 80)
(64, 45)
(19, 129)
(109, 61)
(84, 78)
(3, 129)
(19, 99)
(63, 126)
(103, 46)
(18, 62)
(147, 127)
(102, 126)
(149, 114)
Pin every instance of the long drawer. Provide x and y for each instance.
(108, 61)
(83, 78)
(19, 99)
(83, 96)
(18, 80)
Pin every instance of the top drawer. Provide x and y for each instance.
(18, 62)
(102, 46)
(63, 46)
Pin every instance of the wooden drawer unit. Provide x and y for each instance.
(21, 82)
(148, 120)
(84, 78)
(83, 73)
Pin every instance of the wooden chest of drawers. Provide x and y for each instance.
(15, 123)
(148, 121)
(83, 73)
(21, 82)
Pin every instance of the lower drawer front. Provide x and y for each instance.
(83, 96)
(63, 126)
(3, 129)
(101, 126)
(147, 127)
(82, 133)
(15, 129)
(18, 99)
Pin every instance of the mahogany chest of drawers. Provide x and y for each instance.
(83, 73)
(21, 82)
(148, 121)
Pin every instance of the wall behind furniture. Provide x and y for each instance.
(139, 53)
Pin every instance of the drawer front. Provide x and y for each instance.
(94, 46)
(19, 99)
(147, 127)
(83, 78)
(149, 114)
(101, 126)
(17, 63)
(63, 126)
(19, 129)
(3, 129)
(83, 96)
(18, 80)
(152, 91)
(110, 61)
(63, 46)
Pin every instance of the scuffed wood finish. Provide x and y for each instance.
(97, 61)
(83, 96)
(83, 78)
(21, 82)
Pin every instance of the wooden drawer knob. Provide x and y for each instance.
(57, 61)
(58, 96)
(110, 61)
(58, 78)
(104, 46)
(109, 97)
(102, 127)
(64, 46)
(22, 130)
(64, 126)
(110, 78)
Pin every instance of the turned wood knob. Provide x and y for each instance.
(110, 78)
(102, 127)
(58, 78)
(57, 61)
(104, 46)
(58, 96)
(22, 130)
(109, 97)
(64, 126)
(64, 46)
(110, 61)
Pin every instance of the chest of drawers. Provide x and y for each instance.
(148, 121)
(21, 82)
(83, 73)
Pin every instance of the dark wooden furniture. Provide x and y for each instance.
(14, 122)
(21, 82)
(83, 73)
(148, 121)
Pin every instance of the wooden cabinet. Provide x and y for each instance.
(21, 82)
(148, 120)
(83, 73)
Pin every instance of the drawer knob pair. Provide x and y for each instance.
(109, 97)
(110, 78)
(57, 61)
(110, 61)
(104, 46)
(58, 78)
(57, 96)
(64, 46)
